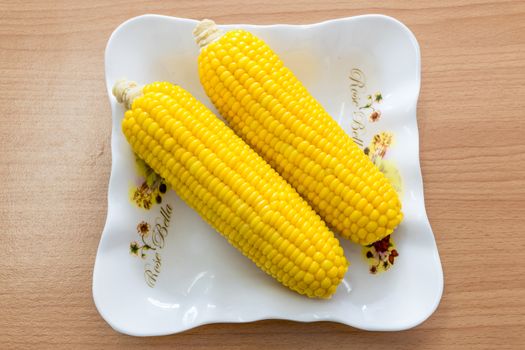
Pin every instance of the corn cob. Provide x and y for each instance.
(231, 187)
(273, 112)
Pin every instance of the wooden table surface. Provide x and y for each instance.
(55, 156)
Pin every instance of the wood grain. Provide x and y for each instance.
(55, 156)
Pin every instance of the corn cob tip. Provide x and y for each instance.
(206, 32)
(125, 91)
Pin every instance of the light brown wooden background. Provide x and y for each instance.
(55, 162)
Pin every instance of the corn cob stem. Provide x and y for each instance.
(206, 32)
(231, 187)
(125, 91)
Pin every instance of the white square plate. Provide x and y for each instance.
(193, 276)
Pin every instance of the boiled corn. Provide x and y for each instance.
(231, 187)
(273, 112)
